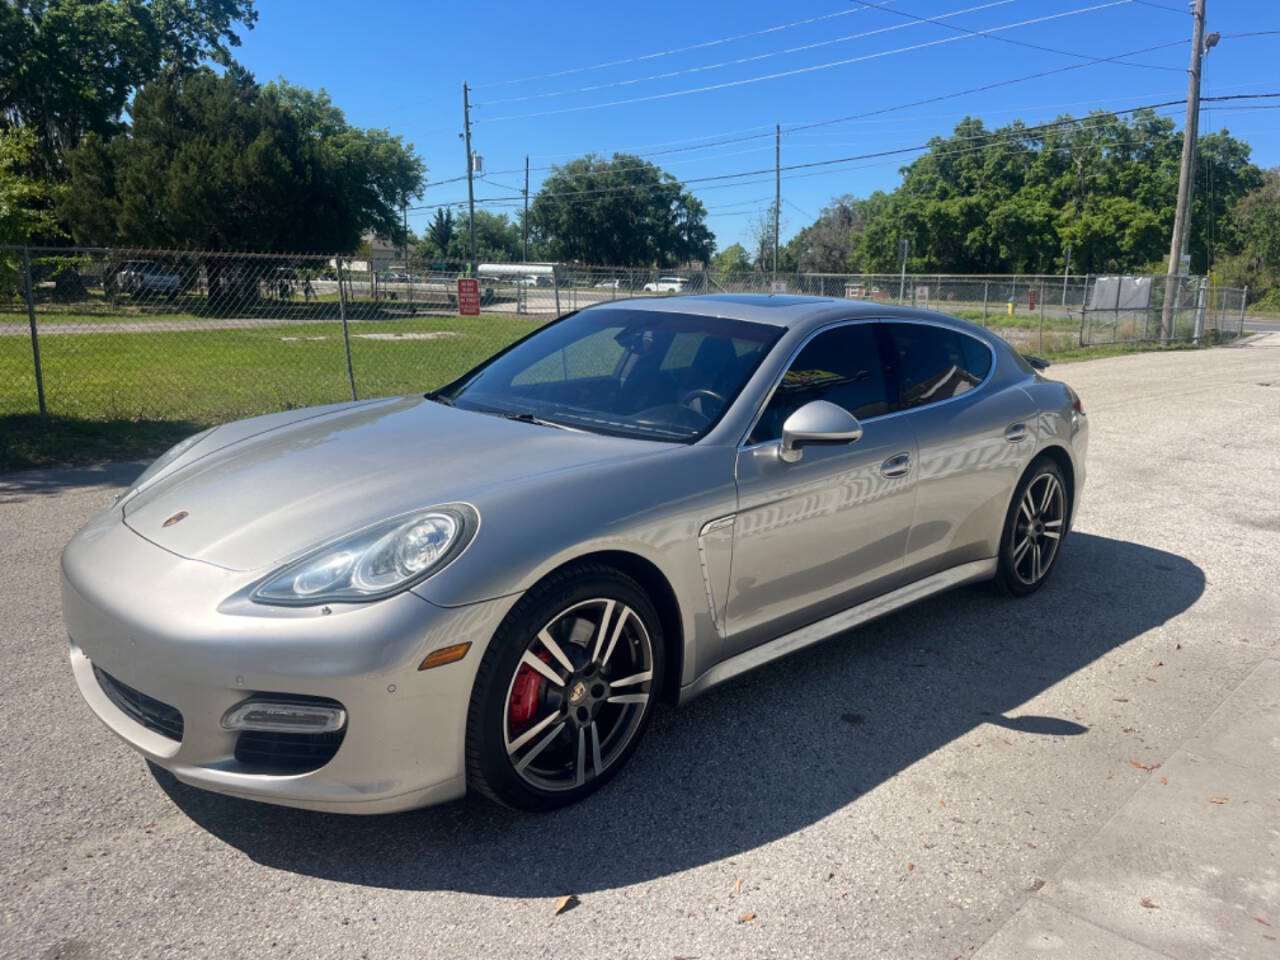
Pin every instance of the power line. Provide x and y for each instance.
(990, 137)
(754, 58)
(937, 20)
(667, 53)
(808, 69)
(899, 106)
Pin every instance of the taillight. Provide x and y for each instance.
(1076, 405)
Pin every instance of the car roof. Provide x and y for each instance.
(785, 310)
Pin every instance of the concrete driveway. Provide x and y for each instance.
(935, 784)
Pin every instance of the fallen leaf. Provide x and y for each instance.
(1036, 884)
(1006, 742)
(1158, 663)
(1164, 781)
(1143, 766)
(567, 902)
(1152, 680)
(1261, 921)
(942, 803)
(910, 865)
(1146, 902)
(1120, 699)
(737, 886)
(747, 917)
(1218, 800)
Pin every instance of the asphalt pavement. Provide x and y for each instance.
(971, 776)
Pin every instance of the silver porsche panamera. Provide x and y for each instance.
(378, 605)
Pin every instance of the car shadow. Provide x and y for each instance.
(758, 758)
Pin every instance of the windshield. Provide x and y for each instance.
(634, 373)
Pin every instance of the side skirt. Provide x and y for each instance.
(839, 622)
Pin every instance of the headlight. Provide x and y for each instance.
(374, 562)
(166, 458)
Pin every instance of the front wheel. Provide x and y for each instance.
(565, 690)
(1033, 530)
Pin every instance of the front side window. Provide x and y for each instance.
(635, 373)
(841, 366)
(934, 363)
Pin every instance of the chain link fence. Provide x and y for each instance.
(204, 336)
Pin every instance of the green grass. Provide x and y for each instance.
(110, 395)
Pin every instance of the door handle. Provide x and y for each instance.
(898, 465)
(1015, 432)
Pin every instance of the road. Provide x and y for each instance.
(903, 791)
(1262, 324)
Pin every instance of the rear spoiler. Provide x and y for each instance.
(1037, 363)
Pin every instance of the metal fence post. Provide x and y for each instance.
(1084, 308)
(35, 337)
(1041, 348)
(985, 285)
(1244, 299)
(346, 336)
(1115, 325)
(555, 279)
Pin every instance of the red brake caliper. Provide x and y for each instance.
(524, 694)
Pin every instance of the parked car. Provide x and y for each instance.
(142, 277)
(610, 285)
(666, 285)
(377, 605)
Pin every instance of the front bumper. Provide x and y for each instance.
(162, 625)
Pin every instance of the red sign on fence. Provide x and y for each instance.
(1031, 299)
(468, 297)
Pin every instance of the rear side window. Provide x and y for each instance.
(841, 366)
(934, 363)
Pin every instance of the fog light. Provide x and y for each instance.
(283, 716)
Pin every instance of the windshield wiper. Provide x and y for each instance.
(525, 417)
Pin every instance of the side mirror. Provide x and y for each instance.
(817, 422)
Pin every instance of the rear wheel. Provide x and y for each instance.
(1033, 530)
(565, 690)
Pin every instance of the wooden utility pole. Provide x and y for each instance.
(777, 192)
(471, 195)
(526, 208)
(1186, 174)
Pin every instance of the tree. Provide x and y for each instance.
(824, 245)
(1255, 222)
(70, 67)
(221, 162)
(1013, 199)
(436, 242)
(762, 231)
(24, 199)
(497, 238)
(625, 212)
(733, 259)
(24, 204)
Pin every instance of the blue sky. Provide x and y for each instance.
(401, 66)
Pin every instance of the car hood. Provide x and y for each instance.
(270, 495)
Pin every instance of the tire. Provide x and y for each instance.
(536, 744)
(1036, 524)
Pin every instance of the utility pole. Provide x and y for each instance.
(777, 192)
(404, 250)
(471, 195)
(526, 208)
(1186, 174)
